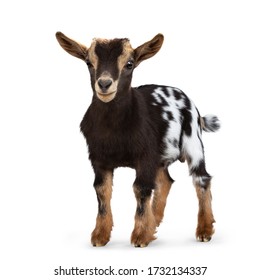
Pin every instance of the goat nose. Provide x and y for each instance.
(104, 84)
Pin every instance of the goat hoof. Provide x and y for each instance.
(203, 238)
(205, 234)
(98, 243)
(99, 239)
(140, 245)
(141, 240)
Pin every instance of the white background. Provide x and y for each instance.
(47, 202)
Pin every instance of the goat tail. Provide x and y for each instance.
(210, 123)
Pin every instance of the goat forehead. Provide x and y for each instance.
(110, 50)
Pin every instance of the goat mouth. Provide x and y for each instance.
(106, 97)
(106, 94)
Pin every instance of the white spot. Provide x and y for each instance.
(165, 116)
(156, 94)
(200, 180)
(192, 145)
(170, 90)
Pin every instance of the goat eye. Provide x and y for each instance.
(88, 63)
(129, 65)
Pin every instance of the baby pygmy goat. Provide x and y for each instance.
(146, 128)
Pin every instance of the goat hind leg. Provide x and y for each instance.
(194, 153)
(201, 180)
(205, 228)
(162, 189)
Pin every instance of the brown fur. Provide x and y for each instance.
(205, 227)
(104, 222)
(128, 51)
(72, 47)
(91, 54)
(145, 224)
(148, 49)
(163, 186)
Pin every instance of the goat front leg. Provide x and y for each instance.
(145, 224)
(104, 222)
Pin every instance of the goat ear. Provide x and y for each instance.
(148, 49)
(71, 46)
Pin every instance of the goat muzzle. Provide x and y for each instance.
(104, 84)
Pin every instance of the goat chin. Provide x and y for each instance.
(106, 97)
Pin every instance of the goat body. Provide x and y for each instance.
(145, 128)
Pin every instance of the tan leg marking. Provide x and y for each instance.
(104, 222)
(205, 228)
(145, 225)
(163, 185)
